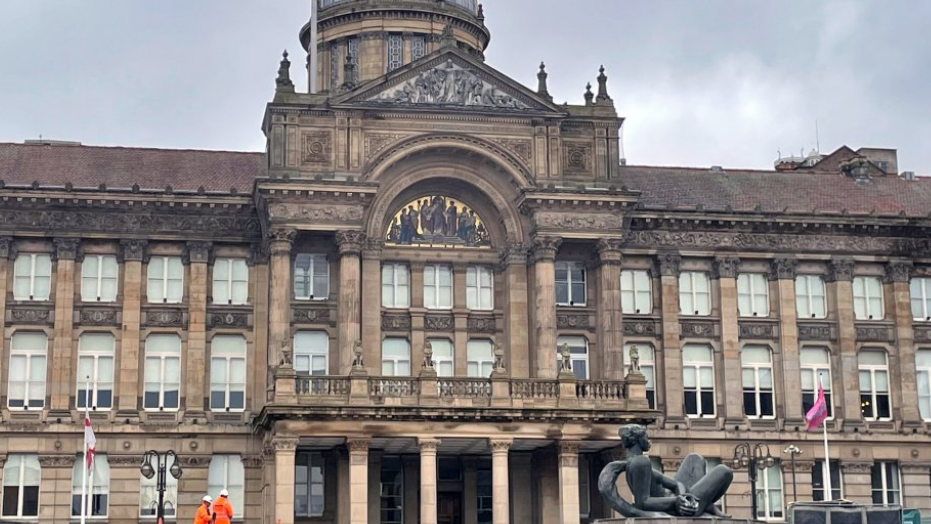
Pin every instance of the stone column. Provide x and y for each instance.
(841, 273)
(726, 269)
(569, 482)
(610, 317)
(500, 493)
(371, 305)
(198, 255)
(428, 480)
(63, 383)
(349, 326)
(858, 485)
(259, 285)
(131, 254)
(670, 395)
(516, 312)
(279, 302)
(544, 319)
(358, 481)
(6, 248)
(285, 451)
(783, 271)
(899, 274)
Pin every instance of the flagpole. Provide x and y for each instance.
(85, 469)
(828, 495)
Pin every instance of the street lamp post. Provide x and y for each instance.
(159, 468)
(793, 450)
(753, 458)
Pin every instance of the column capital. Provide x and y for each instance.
(514, 252)
(569, 447)
(726, 267)
(132, 249)
(66, 248)
(350, 242)
(284, 444)
(358, 446)
(783, 268)
(856, 467)
(840, 269)
(280, 241)
(372, 248)
(6, 245)
(544, 248)
(428, 445)
(669, 263)
(899, 271)
(500, 445)
(258, 253)
(197, 251)
(609, 250)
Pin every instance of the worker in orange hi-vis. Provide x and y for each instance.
(222, 509)
(204, 515)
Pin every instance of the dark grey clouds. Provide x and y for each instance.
(701, 83)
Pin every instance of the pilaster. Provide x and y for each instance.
(899, 274)
(671, 394)
(358, 481)
(544, 320)
(66, 250)
(279, 307)
(371, 305)
(858, 485)
(349, 326)
(132, 252)
(841, 274)
(784, 271)
(611, 318)
(285, 451)
(501, 512)
(516, 312)
(569, 482)
(6, 246)
(726, 269)
(198, 255)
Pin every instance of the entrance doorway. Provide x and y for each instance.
(449, 508)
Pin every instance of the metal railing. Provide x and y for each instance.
(467, 5)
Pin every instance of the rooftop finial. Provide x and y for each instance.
(603, 86)
(349, 73)
(589, 96)
(541, 77)
(481, 12)
(283, 82)
(446, 37)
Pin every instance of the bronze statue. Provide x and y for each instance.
(692, 493)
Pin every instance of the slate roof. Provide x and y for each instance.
(121, 167)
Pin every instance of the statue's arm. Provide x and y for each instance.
(645, 500)
(673, 485)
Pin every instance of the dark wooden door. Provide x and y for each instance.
(449, 508)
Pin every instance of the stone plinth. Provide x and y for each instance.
(675, 520)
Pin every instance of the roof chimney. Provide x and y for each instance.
(908, 175)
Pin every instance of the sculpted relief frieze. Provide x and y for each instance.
(576, 221)
(123, 222)
(316, 212)
(376, 142)
(777, 242)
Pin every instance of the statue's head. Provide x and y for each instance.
(634, 435)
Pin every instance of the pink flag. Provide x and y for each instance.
(819, 412)
(90, 441)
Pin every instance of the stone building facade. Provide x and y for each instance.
(421, 304)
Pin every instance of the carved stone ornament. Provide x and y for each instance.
(856, 468)
(124, 460)
(578, 221)
(32, 315)
(113, 221)
(609, 250)
(164, 317)
(669, 264)
(428, 445)
(448, 84)
(395, 322)
(438, 323)
(577, 157)
(318, 148)
(514, 252)
(922, 334)
(840, 270)
(322, 213)
(66, 248)
(899, 271)
(198, 252)
(350, 242)
(311, 316)
(523, 149)
(695, 329)
(195, 461)
(783, 269)
(133, 249)
(544, 248)
(357, 446)
(285, 443)
(875, 334)
(279, 236)
(6, 243)
(500, 446)
(229, 320)
(376, 142)
(97, 317)
(726, 267)
(482, 325)
(258, 253)
(760, 330)
(816, 331)
(641, 328)
(57, 461)
(570, 321)
(253, 462)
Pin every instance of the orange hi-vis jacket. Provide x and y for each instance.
(223, 510)
(203, 515)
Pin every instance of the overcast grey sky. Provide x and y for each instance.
(700, 82)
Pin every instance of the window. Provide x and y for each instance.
(815, 369)
(578, 354)
(698, 380)
(874, 385)
(648, 368)
(868, 298)
(311, 277)
(923, 364)
(162, 372)
(481, 358)
(484, 494)
(921, 299)
(148, 495)
(418, 47)
(585, 490)
(480, 292)
(694, 293)
(395, 286)
(21, 477)
(757, 371)
(817, 481)
(98, 486)
(810, 298)
(752, 295)
(227, 372)
(395, 357)
(395, 49)
(884, 476)
(28, 355)
(437, 287)
(570, 284)
(636, 292)
(769, 500)
(95, 370)
(165, 280)
(443, 357)
(392, 491)
(352, 49)
(226, 472)
(32, 277)
(311, 353)
(308, 485)
(230, 281)
(99, 275)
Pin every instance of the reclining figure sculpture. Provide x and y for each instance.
(692, 493)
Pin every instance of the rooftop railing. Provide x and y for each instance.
(471, 6)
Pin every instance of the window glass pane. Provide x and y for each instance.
(873, 358)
